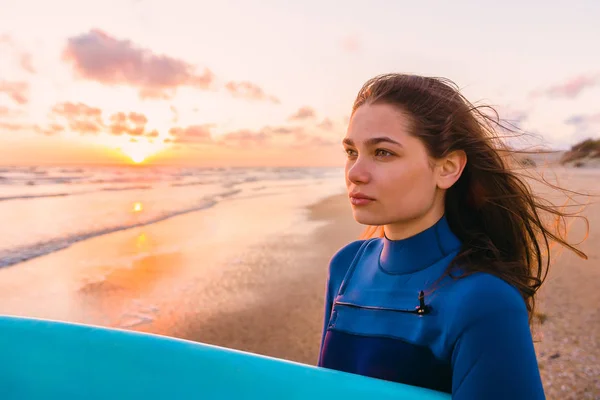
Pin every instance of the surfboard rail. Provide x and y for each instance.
(48, 359)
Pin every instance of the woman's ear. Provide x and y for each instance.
(450, 168)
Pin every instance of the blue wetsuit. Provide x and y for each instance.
(469, 337)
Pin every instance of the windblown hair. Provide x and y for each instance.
(491, 207)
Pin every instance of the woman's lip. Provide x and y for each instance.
(358, 201)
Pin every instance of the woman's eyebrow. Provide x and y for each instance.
(373, 141)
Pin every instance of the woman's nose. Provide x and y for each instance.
(358, 172)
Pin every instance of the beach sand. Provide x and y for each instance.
(256, 283)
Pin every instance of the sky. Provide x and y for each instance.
(236, 83)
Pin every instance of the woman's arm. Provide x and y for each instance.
(493, 355)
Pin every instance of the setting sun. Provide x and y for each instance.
(138, 152)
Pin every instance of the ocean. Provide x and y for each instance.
(46, 209)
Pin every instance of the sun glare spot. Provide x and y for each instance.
(138, 152)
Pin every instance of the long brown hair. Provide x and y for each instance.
(490, 208)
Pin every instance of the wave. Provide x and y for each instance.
(20, 254)
(33, 196)
(120, 189)
(65, 194)
(193, 183)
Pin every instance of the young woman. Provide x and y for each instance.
(439, 293)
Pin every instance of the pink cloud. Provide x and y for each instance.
(280, 130)
(26, 63)
(100, 57)
(326, 124)
(261, 137)
(245, 137)
(50, 130)
(132, 124)
(303, 113)
(304, 140)
(25, 59)
(5, 111)
(17, 91)
(571, 88)
(192, 134)
(250, 91)
(14, 126)
(80, 117)
(85, 119)
(175, 112)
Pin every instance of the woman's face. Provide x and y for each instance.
(389, 167)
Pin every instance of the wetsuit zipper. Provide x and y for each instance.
(421, 309)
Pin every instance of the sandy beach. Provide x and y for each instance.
(253, 278)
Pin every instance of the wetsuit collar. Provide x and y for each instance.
(418, 251)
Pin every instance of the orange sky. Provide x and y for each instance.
(271, 83)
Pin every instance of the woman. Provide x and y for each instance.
(440, 291)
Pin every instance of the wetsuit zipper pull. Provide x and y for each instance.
(422, 308)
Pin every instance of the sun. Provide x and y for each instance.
(136, 155)
(138, 152)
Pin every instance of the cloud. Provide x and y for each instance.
(510, 119)
(264, 136)
(244, 138)
(583, 119)
(303, 113)
(280, 130)
(133, 124)
(100, 57)
(516, 117)
(17, 91)
(250, 91)
(26, 63)
(326, 124)
(351, 44)
(175, 112)
(192, 134)
(303, 140)
(80, 117)
(571, 88)
(84, 119)
(585, 125)
(50, 130)
(5, 111)
(294, 137)
(13, 126)
(25, 59)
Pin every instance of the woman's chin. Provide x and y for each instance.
(366, 218)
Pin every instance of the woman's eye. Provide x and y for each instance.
(381, 152)
(350, 152)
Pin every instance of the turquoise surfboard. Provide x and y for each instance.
(44, 359)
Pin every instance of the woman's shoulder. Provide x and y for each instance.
(347, 253)
(341, 260)
(481, 295)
